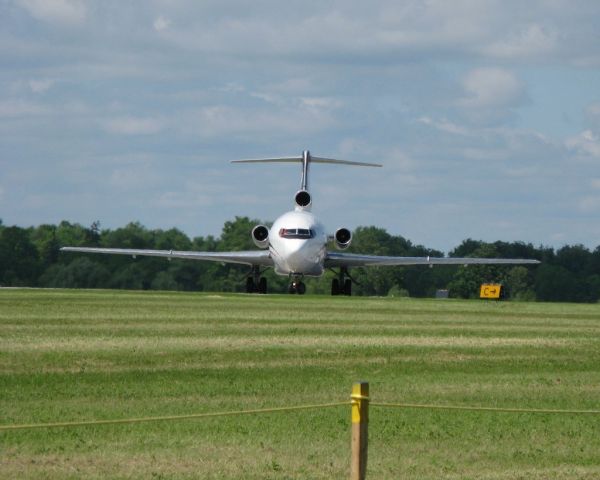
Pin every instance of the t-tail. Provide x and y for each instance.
(302, 198)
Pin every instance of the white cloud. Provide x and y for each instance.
(232, 87)
(587, 143)
(136, 177)
(268, 97)
(223, 120)
(64, 12)
(40, 85)
(161, 23)
(21, 108)
(589, 204)
(134, 125)
(184, 199)
(532, 41)
(444, 125)
(490, 88)
(592, 115)
(321, 103)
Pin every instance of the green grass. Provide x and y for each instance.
(83, 355)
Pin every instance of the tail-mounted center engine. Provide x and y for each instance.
(260, 236)
(303, 199)
(342, 238)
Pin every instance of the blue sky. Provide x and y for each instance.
(485, 114)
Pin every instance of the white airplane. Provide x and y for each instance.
(296, 245)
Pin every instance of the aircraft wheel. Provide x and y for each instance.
(262, 285)
(292, 288)
(348, 287)
(335, 287)
(300, 288)
(249, 285)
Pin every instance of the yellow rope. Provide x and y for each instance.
(483, 409)
(291, 409)
(172, 417)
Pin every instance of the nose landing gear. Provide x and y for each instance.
(297, 286)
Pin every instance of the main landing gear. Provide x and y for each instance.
(256, 283)
(342, 285)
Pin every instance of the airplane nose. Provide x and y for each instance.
(298, 254)
(295, 249)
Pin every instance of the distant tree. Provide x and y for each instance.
(466, 281)
(519, 283)
(575, 258)
(19, 260)
(69, 234)
(467, 248)
(130, 277)
(46, 242)
(187, 274)
(590, 289)
(236, 235)
(421, 281)
(376, 241)
(133, 235)
(92, 234)
(172, 239)
(164, 281)
(208, 244)
(516, 250)
(81, 272)
(554, 283)
(595, 261)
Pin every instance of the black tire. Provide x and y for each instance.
(249, 285)
(300, 288)
(348, 287)
(335, 287)
(262, 285)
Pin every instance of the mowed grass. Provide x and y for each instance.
(84, 355)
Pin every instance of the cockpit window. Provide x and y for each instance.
(302, 233)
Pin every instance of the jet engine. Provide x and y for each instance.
(342, 238)
(303, 199)
(260, 236)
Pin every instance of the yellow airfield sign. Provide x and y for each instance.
(491, 291)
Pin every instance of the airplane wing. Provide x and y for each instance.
(257, 257)
(338, 259)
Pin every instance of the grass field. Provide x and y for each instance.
(82, 355)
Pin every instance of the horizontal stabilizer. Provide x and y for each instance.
(312, 160)
(306, 159)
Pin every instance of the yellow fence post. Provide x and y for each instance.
(360, 430)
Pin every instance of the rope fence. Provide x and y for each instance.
(170, 417)
(484, 409)
(359, 402)
(32, 426)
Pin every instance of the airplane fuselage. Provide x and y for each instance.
(297, 243)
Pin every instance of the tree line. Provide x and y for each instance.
(30, 257)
